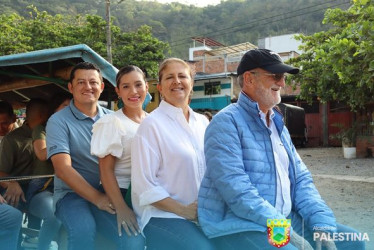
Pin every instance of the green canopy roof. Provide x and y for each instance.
(42, 73)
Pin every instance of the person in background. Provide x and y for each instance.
(40, 191)
(208, 115)
(17, 155)
(254, 172)
(10, 225)
(168, 164)
(7, 119)
(17, 158)
(111, 142)
(77, 179)
(57, 102)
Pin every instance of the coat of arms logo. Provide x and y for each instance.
(279, 232)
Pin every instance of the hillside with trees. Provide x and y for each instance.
(231, 22)
(41, 31)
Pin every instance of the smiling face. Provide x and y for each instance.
(176, 83)
(263, 89)
(86, 87)
(132, 89)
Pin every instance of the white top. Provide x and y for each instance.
(112, 134)
(168, 160)
(283, 200)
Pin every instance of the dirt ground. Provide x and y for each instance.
(347, 186)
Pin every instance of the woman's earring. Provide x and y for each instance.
(119, 98)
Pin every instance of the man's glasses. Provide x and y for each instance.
(276, 77)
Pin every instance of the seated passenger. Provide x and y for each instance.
(168, 164)
(17, 159)
(254, 173)
(77, 177)
(111, 142)
(40, 191)
(8, 120)
(10, 225)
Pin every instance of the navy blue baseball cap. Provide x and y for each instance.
(264, 59)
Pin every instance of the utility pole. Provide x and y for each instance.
(108, 33)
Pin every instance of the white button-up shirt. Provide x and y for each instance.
(167, 156)
(283, 200)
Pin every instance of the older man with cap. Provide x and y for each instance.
(255, 180)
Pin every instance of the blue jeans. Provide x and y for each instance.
(41, 206)
(180, 234)
(75, 214)
(107, 226)
(259, 240)
(247, 240)
(10, 226)
(297, 225)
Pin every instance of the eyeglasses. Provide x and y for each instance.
(276, 77)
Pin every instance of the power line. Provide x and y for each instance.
(285, 18)
(264, 19)
(236, 28)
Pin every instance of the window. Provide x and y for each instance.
(212, 88)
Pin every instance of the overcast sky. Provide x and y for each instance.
(200, 3)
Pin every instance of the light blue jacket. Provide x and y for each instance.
(238, 191)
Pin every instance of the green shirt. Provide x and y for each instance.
(17, 153)
(41, 167)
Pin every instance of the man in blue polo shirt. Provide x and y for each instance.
(77, 172)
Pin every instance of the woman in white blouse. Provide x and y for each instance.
(111, 142)
(168, 165)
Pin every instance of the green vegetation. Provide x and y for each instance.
(338, 64)
(346, 135)
(41, 30)
(231, 22)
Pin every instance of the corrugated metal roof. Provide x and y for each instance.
(213, 76)
(230, 50)
(207, 41)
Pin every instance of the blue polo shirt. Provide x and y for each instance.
(69, 131)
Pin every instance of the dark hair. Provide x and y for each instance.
(86, 66)
(208, 115)
(6, 108)
(127, 69)
(57, 99)
(36, 105)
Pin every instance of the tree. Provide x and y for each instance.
(44, 31)
(12, 38)
(338, 64)
(230, 22)
(139, 48)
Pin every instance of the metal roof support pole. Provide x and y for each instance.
(204, 63)
(108, 32)
(62, 87)
(20, 94)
